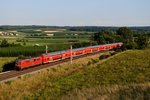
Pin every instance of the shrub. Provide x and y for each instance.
(94, 61)
(4, 43)
(9, 66)
(142, 41)
(132, 45)
(89, 63)
(118, 50)
(123, 48)
(104, 56)
(113, 53)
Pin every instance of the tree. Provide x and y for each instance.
(104, 37)
(4, 43)
(142, 41)
(99, 38)
(125, 33)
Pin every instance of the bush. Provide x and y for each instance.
(94, 61)
(142, 41)
(123, 48)
(132, 45)
(118, 50)
(89, 63)
(9, 66)
(4, 43)
(113, 53)
(104, 56)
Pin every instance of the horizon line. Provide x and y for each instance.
(80, 25)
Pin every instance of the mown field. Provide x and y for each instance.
(5, 60)
(123, 76)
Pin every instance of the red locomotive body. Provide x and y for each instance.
(24, 63)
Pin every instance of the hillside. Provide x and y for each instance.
(125, 75)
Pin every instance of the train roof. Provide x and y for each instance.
(26, 58)
(76, 49)
(56, 53)
(99, 45)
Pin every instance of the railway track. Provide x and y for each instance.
(14, 74)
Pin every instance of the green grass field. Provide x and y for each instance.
(123, 76)
(4, 60)
(41, 41)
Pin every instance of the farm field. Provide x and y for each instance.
(42, 41)
(29, 45)
(122, 76)
(4, 60)
(30, 36)
(47, 41)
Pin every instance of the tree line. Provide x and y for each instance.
(131, 39)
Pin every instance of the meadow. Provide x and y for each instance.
(125, 75)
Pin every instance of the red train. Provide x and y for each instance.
(55, 56)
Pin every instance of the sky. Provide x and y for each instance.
(75, 12)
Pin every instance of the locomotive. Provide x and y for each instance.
(60, 55)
